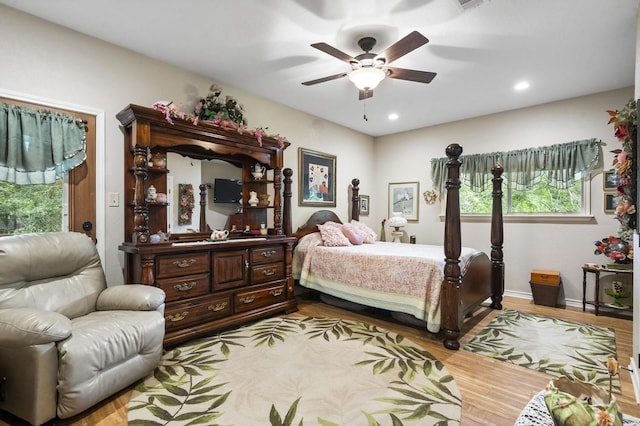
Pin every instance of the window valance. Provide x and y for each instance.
(38, 146)
(524, 167)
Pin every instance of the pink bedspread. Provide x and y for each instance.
(398, 277)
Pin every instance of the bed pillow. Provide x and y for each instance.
(332, 235)
(352, 234)
(369, 236)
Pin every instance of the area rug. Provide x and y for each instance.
(554, 346)
(294, 371)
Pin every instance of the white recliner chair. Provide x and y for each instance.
(67, 341)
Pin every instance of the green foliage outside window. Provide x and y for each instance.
(30, 208)
(540, 199)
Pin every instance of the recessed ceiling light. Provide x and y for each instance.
(393, 116)
(523, 85)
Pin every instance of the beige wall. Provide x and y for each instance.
(48, 61)
(562, 247)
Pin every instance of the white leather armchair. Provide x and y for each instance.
(66, 340)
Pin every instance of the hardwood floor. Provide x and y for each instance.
(493, 392)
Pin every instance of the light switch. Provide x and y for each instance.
(114, 199)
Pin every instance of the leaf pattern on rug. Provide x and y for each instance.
(551, 345)
(205, 381)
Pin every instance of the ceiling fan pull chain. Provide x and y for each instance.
(364, 108)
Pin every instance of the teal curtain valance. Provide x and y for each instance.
(38, 146)
(524, 167)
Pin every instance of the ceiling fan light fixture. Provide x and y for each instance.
(367, 78)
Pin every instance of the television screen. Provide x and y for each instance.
(227, 190)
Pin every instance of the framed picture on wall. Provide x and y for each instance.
(317, 181)
(610, 202)
(609, 180)
(364, 205)
(403, 197)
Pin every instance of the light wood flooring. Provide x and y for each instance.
(493, 392)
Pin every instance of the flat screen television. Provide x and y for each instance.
(227, 190)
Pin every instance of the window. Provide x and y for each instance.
(31, 208)
(538, 182)
(541, 199)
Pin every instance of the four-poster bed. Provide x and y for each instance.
(409, 281)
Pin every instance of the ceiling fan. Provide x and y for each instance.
(368, 69)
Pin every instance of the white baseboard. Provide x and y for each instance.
(523, 295)
(635, 379)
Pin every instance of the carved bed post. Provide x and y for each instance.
(286, 208)
(452, 314)
(203, 208)
(497, 239)
(355, 201)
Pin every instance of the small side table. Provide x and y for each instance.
(596, 299)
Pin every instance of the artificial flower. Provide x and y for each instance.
(617, 249)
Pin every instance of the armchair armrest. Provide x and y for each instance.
(26, 327)
(130, 297)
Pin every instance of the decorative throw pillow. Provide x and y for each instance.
(332, 235)
(579, 403)
(352, 234)
(369, 236)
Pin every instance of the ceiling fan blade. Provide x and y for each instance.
(404, 46)
(330, 50)
(323, 79)
(365, 94)
(411, 75)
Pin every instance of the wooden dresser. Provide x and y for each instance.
(213, 286)
(210, 285)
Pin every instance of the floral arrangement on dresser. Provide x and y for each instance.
(226, 113)
(625, 123)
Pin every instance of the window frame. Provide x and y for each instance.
(584, 216)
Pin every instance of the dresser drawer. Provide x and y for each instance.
(184, 287)
(265, 296)
(266, 273)
(182, 264)
(196, 311)
(267, 254)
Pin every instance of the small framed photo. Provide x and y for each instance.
(609, 180)
(403, 197)
(364, 205)
(317, 184)
(610, 202)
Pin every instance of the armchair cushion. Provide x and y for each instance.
(131, 297)
(26, 327)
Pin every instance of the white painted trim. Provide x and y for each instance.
(100, 155)
(635, 378)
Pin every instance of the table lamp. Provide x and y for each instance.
(396, 222)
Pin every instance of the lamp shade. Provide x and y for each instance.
(397, 221)
(366, 78)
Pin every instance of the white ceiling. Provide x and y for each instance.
(564, 48)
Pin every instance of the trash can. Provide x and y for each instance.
(545, 287)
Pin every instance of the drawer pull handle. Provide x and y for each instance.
(184, 263)
(248, 299)
(268, 253)
(268, 272)
(217, 307)
(185, 286)
(177, 317)
(276, 293)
